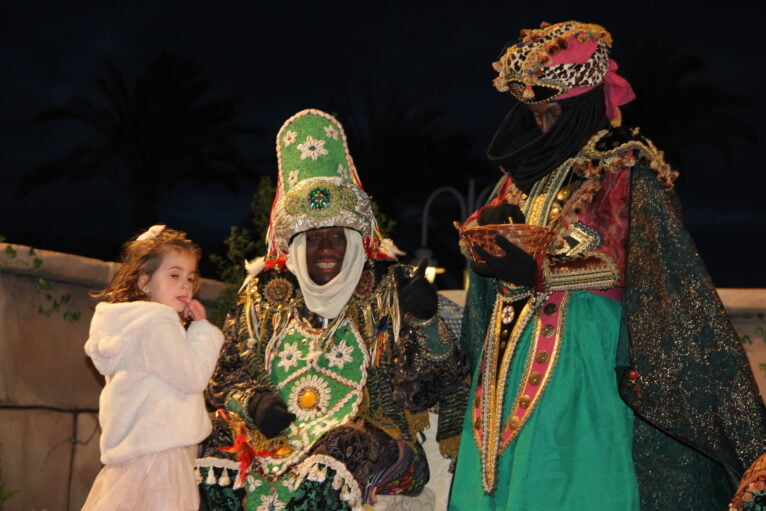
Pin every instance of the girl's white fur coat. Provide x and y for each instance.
(155, 373)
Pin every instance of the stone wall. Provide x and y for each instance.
(747, 311)
(49, 390)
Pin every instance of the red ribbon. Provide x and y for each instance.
(244, 455)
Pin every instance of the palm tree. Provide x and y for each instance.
(150, 138)
(672, 107)
(403, 153)
(401, 149)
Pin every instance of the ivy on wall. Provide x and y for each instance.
(754, 334)
(5, 493)
(50, 301)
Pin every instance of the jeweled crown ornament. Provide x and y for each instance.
(556, 62)
(548, 61)
(317, 181)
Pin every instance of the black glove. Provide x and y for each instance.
(516, 266)
(269, 413)
(500, 214)
(417, 296)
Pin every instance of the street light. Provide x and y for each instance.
(467, 204)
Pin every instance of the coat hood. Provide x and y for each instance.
(113, 326)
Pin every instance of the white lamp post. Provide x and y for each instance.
(467, 204)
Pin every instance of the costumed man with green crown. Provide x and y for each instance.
(334, 353)
(606, 373)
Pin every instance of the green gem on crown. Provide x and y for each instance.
(319, 198)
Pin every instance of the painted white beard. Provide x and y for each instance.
(328, 299)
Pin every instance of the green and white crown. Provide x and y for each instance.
(317, 184)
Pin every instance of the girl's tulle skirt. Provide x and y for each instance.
(161, 481)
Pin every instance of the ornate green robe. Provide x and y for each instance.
(619, 383)
(360, 386)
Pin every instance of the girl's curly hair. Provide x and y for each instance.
(143, 258)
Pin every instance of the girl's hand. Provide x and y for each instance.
(195, 310)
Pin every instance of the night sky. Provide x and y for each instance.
(281, 58)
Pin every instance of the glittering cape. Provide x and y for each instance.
(694, 384)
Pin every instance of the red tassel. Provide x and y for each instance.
(244, 455)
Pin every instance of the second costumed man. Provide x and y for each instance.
(334, 354)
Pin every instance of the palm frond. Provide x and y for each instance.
(151, 138)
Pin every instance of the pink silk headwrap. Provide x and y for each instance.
(617, 90)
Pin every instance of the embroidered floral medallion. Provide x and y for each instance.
(270, 503)
(365, 284)
(331, 131)
(289, 356)
(309, 397)
(293, 177)
(321, 375)
(312, 148)
(339, 355)
(278, 291)
(289, 138)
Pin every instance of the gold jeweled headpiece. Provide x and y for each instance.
(548, 61)
(318, 185)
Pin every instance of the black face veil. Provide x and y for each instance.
(528, 155)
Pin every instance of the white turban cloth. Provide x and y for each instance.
(328, 299)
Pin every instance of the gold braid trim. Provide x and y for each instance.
(364, 404)
(448, 447)
(255, 440)
(377, 419)
(259, 442)
(620, 157)
(592, 270)
(388, 428)
(417, 421)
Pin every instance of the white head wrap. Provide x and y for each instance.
(328, 299)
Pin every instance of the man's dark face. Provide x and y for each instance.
(325, 249)
(545, 114)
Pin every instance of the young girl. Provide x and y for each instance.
(151, 411)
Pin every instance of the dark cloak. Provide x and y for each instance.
(700, 419)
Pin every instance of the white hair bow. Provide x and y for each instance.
(151, 233)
